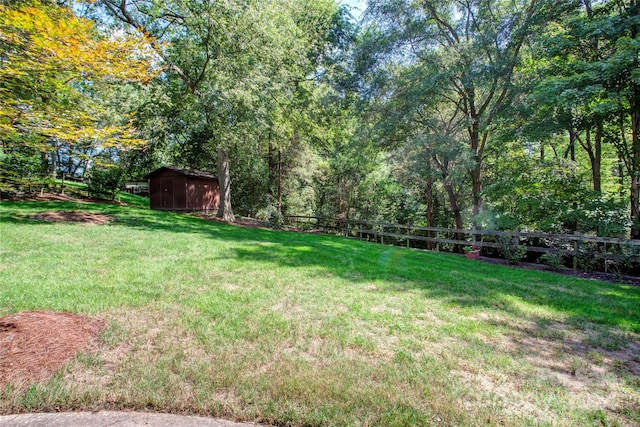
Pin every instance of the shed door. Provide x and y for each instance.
(167, 193)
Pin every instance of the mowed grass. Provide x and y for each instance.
(311, 330)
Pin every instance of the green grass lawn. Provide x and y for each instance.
(300, 329)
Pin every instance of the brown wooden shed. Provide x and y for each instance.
(175, 189)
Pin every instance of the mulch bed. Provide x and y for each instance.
(58, 197)
(33, 345)
(256, 223)
(594, 275)
(73, 216)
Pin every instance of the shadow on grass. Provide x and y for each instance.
(450, 278)
(465, 284)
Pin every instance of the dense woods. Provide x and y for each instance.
(506, 115)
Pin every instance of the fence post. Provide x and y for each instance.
(408, 235)
(437, 241)
(381, 236)
(575, 252)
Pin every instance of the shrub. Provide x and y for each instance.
(624, 260)
(105, 181)
(272, 215)
(553, 260)
(511, 249)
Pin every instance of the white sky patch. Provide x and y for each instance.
(357, 7)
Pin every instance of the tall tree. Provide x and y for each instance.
(593, 86)
(238, 62)
(53, 67)
(471, 49)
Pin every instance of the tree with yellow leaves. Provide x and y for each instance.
(53, 66)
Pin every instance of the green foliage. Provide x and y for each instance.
(553, 260)
(501, 114)
(585, 259)
(446, 92)
(54, 67)
(272, 215)
(589, 62)
(239, 77)
(511, 249)
(105, 181)
(624, 258)
(20, 167)
(523, 191)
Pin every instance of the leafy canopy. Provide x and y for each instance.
(52, 67)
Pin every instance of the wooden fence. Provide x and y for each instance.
(602, 253)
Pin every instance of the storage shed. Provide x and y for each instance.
(175, 189)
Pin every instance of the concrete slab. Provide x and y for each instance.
(113, 418)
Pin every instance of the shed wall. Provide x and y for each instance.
(202, 194)
(170, 190)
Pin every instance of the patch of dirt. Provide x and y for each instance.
(73, 216)
(35, 344)
(58, 197)
(255, 223)
(44, 197)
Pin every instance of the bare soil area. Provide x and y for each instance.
(61, 197)
(35, 344)
(73, 216)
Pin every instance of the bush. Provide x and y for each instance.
(586, 260)
(511, 249)
(623, 261)
(553, 260)
(105, 181)
(271, 215)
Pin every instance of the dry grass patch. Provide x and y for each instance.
(565, 361)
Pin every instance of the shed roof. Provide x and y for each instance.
(193, 173)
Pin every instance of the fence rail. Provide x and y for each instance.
(577, 247)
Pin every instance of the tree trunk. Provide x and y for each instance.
(280, 181)
(635, 176)
(430, 210)
(44, 156)
(621, 173)
(594, 151)
(54, 163)
(457, 213)
(596, 164)
(476, 172)
(84, 169)
(634, 198)
(271, 160)
(634, 104)
(477, 193)
(571, 149)
(455, 207)
(452, 196)
(225, 211)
